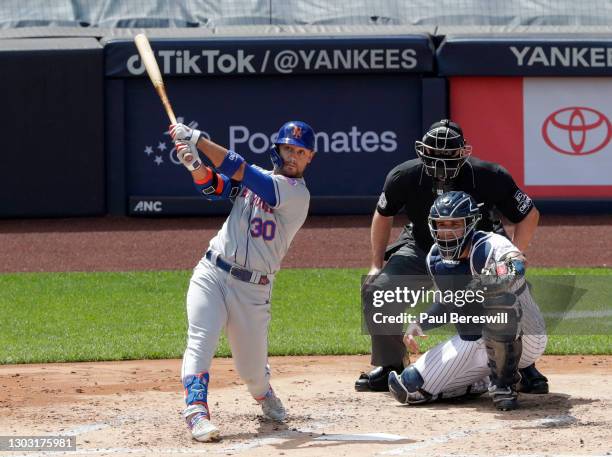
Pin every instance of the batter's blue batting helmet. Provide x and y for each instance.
(297, 133)
(450, 206)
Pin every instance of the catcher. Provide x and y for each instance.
(497, 335)
(444, 163)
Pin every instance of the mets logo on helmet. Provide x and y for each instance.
(296, 132)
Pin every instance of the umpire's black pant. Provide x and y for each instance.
(405, 268)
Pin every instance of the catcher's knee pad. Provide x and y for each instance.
(506, 309)
(196, 389)
(406, 388)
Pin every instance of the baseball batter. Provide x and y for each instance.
(231, 286)
(514, 335)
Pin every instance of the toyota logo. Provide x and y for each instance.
(577, 131)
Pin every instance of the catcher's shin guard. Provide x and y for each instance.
(505, 306)
(504, 358)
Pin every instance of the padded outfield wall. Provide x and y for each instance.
(52, 128)
(531, 100)
(538, 104)
(362, 95)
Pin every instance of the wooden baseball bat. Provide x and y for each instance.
(148, 58)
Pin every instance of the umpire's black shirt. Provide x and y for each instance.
(408, 186)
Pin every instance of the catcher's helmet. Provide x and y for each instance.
(443, 150)
(297, 133)
(454, 205)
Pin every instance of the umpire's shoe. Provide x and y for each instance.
(376, 380)
(532, 381)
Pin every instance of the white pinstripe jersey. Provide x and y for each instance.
(486, 248)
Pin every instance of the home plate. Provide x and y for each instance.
(361, 437)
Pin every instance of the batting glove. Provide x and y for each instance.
(188, 155)
(180, 132)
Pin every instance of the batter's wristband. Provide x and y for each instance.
(231, 163)
(195, 136)
(193, 166)
(207, 186)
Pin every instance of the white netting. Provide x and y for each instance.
(211, 13)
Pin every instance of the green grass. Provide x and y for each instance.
(52, 317)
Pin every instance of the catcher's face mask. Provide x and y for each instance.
(452, 220)
(451, 235)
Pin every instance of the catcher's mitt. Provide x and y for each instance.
(499, 276)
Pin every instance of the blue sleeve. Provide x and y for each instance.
(260, 183)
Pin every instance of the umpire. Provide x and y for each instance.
(444, 163)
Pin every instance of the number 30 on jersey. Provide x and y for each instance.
(265, 229)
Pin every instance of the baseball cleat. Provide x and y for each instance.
(401, 393)
(532, 381)
(376, 380)
(198, 421)
(272, 407)
(397, 389)
(479, 387)
(504, 398)
(507, 405)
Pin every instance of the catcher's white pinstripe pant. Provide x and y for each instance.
(457, 363)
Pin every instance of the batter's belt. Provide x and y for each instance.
(239, 273)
